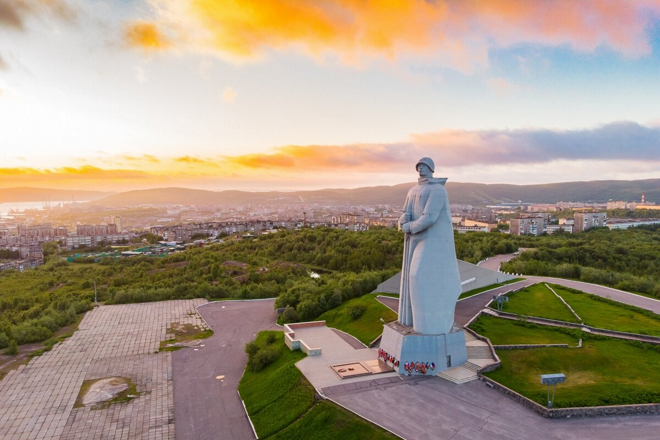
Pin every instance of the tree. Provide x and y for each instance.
(12, 349)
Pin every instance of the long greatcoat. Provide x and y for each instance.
(430, 281)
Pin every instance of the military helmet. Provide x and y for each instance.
(426, 161)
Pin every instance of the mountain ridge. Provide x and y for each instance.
(29, 194)
(598, 191)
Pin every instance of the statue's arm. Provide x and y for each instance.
(431, 214)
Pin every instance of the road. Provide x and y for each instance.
(207, 408)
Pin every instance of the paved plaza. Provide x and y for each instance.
(433, 408)
(37, 400)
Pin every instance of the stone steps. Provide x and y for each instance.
(489, 311)
(470, 366)
(479, 352)
(458, 375)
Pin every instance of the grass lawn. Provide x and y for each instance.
(473, 292)
(368, 326)
(282, 403)
(327, 421)
(506, 332)
(538, 300)
(603, 313)
(604, 372)
(278, 394)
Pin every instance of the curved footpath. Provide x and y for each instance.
(206, 408)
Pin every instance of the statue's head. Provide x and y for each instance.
(425, 167)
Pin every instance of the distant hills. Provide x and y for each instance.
(25, 194)
(459, 193)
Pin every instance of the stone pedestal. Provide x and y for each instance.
(405, 345)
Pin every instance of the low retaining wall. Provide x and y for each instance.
(583, 411)
(491, 367)
(614, 333)
(298, 344)
(533, 319)
(649, 339)
(526, 346)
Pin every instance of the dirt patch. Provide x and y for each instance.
(287, 265)
(185, 335)
(59, 286)
(151, 272)
(100, 393)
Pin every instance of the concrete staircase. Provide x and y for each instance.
(479, 352)
(462, 374)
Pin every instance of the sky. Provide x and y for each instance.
(304, 94)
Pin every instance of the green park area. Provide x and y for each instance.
(509, 332)
(604, 371)
(538, 300)
(360, 317)
(604, 313)
(283, 405)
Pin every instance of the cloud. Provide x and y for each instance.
(15, 13)
(229, 94)
(501, 87)
(195, 161)
(619, 150)
(457, 148)
(140, 159)
(86, 172)
(146, 36)
(459, 33)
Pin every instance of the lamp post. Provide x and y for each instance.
(96, 303)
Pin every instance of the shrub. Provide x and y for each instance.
(270, 338)
(355, 311)
(251, 348)
(30, 332)
(262, 358)
(12, 348)
(4, 340)
(289, 314)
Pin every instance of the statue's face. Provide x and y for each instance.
(424, 170)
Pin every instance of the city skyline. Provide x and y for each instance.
(289, 95)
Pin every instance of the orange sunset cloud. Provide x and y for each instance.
(459, 32)
(146, 36)
(452, 149)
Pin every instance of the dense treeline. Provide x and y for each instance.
(626, 259)
(35, 303)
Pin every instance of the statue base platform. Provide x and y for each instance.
(435, 352)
